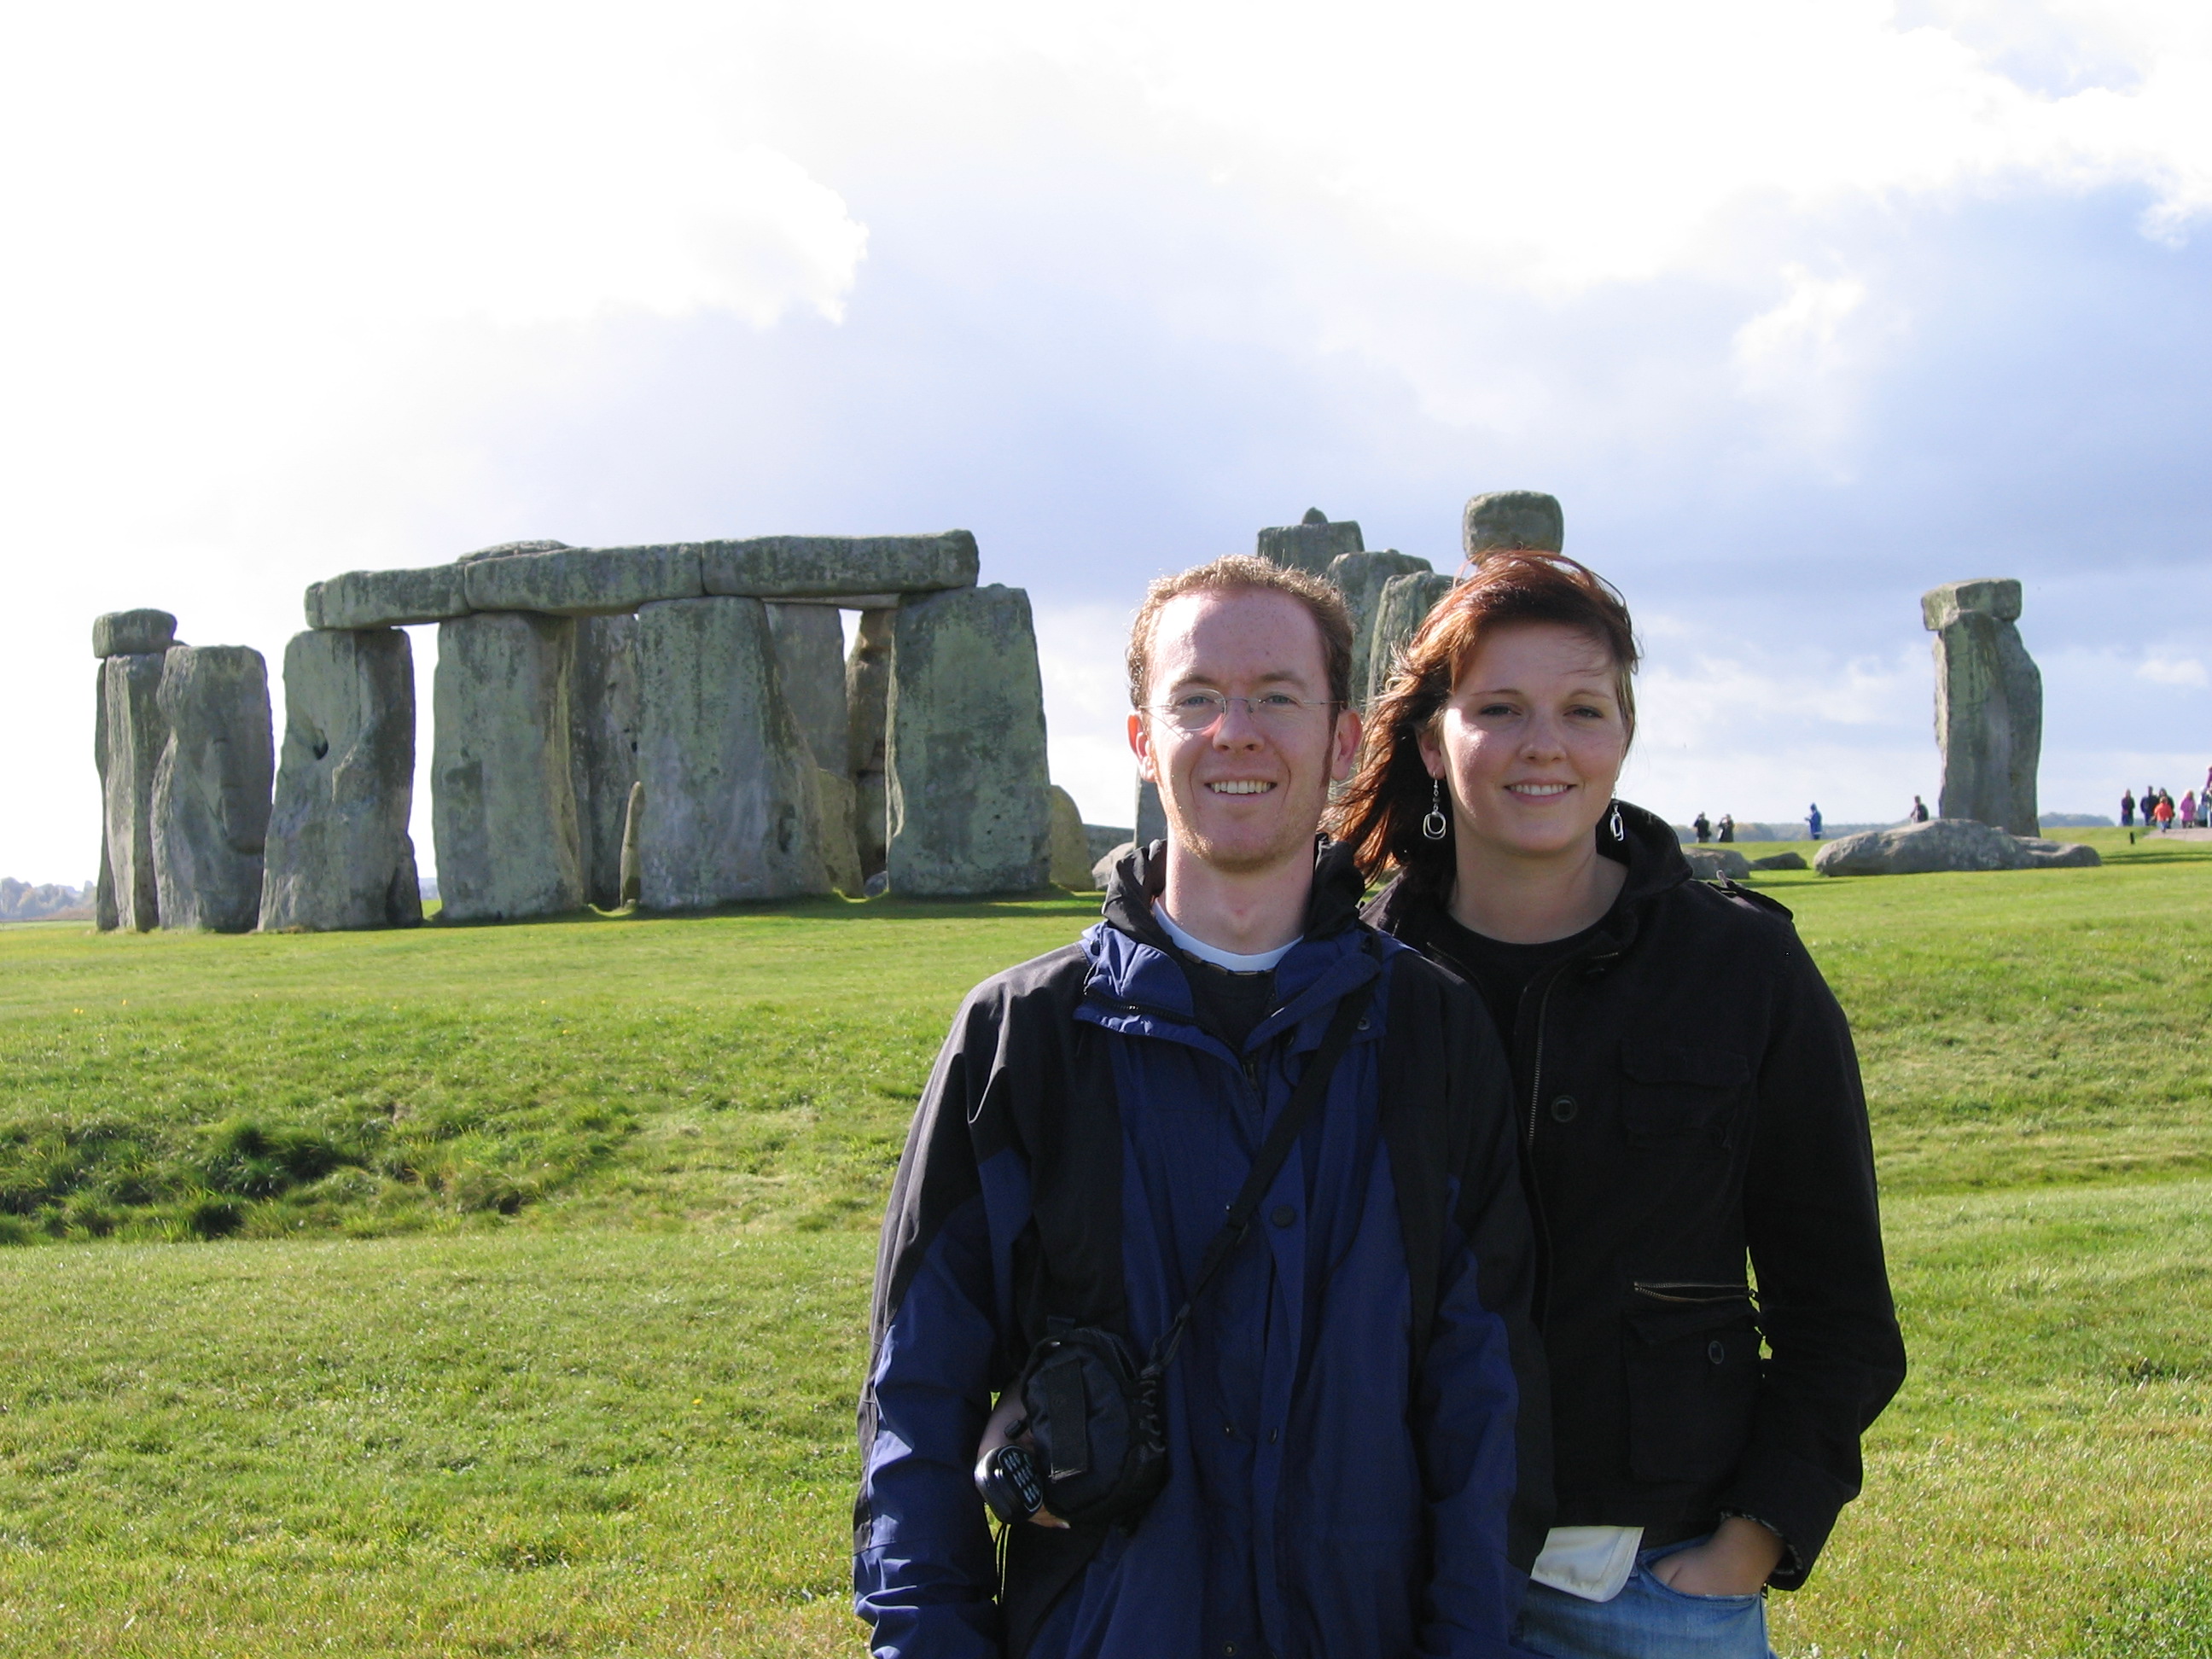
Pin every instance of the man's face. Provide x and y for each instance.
(1246, 792)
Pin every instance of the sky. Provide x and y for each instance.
(1799, 308)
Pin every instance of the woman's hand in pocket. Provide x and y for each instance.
(1737, 1561)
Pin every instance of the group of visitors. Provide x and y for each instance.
(2161, 812)
(1704, 828)
(1292, 1274)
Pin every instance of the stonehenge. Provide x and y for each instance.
(1989, 705)
(603, 727)
(1070, 858)
(130, 739)
(1312, 544)
(1913, 849)
(339, 856)
(1403, 603)
(1507, 519)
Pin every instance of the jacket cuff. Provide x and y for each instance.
(1794, 1500)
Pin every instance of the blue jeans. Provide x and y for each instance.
(1646, 1620)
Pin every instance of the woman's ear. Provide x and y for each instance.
(1430, 745)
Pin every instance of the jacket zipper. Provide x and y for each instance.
(1536, 1071)
(1693, 1294)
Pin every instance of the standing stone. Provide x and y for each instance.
(339, 857)
(502, 786)
(841, 850)
(1512, 518)
(965, 756)
(133, 737)
(103, 902)
(1151, 816)
(734, 803)
(633, 847)
(1405, 603)
(867, 703)
(810, 657)
(1360, 578)
(1070, 849)
(211, 792)
(603, 722)
(1989, 705)
(1311, 545)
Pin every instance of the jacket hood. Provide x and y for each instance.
(1647, 846)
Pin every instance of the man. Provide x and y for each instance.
(1919, 812)
(1356, 1421)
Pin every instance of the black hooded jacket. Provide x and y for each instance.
(1687, 1096)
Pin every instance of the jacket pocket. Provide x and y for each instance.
(1673, 1092)
(1692, 1366)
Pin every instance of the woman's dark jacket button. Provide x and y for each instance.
(1715, 1351)
(1285, 1215)
(1564, 1109)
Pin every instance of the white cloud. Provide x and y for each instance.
(1797, 341)
(2173, 670)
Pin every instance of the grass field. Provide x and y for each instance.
(532, 1312)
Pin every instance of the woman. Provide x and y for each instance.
(1688, 1096)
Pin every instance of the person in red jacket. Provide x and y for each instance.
(1690, 1121)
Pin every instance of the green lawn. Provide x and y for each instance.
(533, 1316)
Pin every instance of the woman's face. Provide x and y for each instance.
(1530, 743)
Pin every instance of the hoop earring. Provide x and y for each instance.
(1613, 823)
(1434, 825)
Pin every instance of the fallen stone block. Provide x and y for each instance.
(386, 599)
(810, 657)
(965, 757)
(1312, 544)
(211, 791)
(502, 784)
(339, 857)
(1103, 838)
(1068, 855)
(1944, 844)
(1360, 577)
(133, 633)
(1404, 606)
(732, 808)
(583, 582)
(1716, 863)
(132, 736)
(1510, 519)
(838, 567)
(602, 735)
(1780, 861)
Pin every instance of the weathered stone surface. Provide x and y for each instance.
(1945, 844)
(211, 791)
(1780, 861)
(839, 567)
(583, 582)
(1312, 544)
(103, 903)
(132, 633)
(1989, 705)
(633, 846)
(502, 786)
(133, 736)
(1716, 863)
(1102, 870)
(867, 704)
(1405, 603)
(386, 598)
(508, 549)
(810, 657)
(1068, 853)
(1512, 518)
(603, 724)
(841, 851)
(1101, 839)
(1360, 577)
(965, 757)
(1151, 816)
(339, 856)
(732, 805)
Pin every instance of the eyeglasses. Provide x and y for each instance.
(1200, 711)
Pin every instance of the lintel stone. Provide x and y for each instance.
(851, 568)
(583, 582)
(132, 633)
(387, 599)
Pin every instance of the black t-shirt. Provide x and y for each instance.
(1501, 972)
(1230, 1005)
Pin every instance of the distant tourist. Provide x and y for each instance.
(1919, 812)
(1342, 1446)
(2127, 808)
(1702, 828)
(2164, 811)
(2186, 813)
(1812, 819)
(1692, 1472)
(1727, 828)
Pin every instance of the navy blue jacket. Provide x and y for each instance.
(1081, 1137)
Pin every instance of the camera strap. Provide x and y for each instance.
(1305, 1099)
